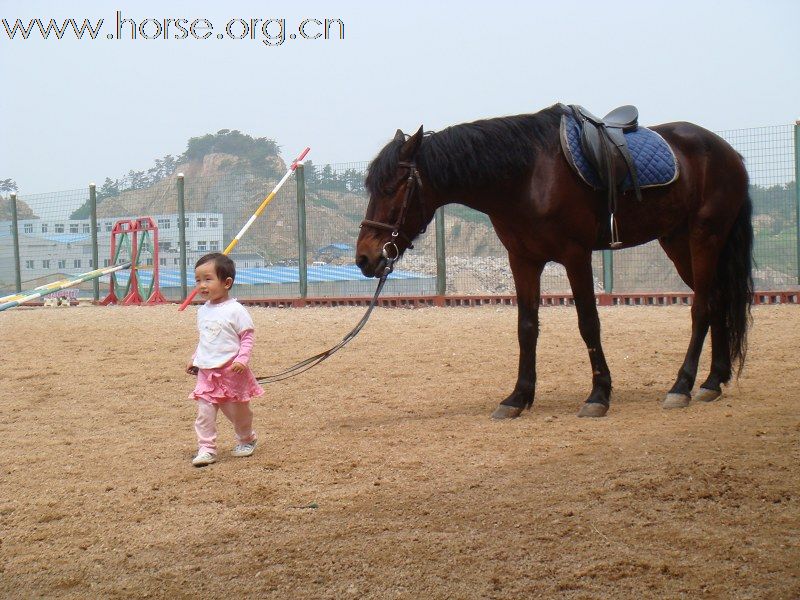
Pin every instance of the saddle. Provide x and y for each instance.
(603, 142)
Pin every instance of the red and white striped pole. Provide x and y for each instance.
(252, 219)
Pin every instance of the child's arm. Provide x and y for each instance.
(246, 340)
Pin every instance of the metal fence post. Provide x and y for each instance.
(797, 192)
(441, 271)
(302, 260)
(95, 254)
(182, 235)
(608, 271)
(15, 236)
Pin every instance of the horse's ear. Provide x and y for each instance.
(399, 136)
(409, 149)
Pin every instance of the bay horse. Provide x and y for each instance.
(512, 169)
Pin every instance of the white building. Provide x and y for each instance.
(51, 247)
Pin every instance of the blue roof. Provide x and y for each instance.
(66, 238)
(171, 278)
(337, 246)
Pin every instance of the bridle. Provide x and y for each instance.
(412, 183)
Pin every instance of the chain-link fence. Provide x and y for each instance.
(769, 154)
(303, 244)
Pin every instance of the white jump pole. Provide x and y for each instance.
(57, 286)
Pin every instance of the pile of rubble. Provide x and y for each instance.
(485, 275)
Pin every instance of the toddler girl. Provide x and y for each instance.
(224, 380)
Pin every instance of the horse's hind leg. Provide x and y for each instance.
(677, 248)
(711, 388)
(696, 263)
(579, 272)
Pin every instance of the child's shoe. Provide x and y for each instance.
(244, 449)
(204, 458)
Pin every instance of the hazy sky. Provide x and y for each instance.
(75, 111)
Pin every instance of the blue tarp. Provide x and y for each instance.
(170, 278)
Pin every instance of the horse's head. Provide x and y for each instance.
(396, 213)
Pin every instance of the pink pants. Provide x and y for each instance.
(238, 413)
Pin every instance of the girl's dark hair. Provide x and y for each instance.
(223, 265)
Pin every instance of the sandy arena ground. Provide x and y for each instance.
(415, 492)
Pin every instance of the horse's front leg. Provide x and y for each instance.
(527, 279)
(579, 272)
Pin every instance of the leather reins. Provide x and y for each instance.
(305, 365)
(413, 182)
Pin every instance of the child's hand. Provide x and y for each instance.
(238, 367)
(191, 369)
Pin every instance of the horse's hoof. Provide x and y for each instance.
(593, 409)
(676, 401)
(506, 412)
(706, 395)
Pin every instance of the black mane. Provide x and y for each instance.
(473, 155)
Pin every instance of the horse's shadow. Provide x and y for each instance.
(547, 406)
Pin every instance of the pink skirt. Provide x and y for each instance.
(224, 385)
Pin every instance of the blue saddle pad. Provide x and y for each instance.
(655, 162)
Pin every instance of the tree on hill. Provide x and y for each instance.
(138, 180)
(310, 173)
(256, 151)
(163, 168)
(777, 201)
(109, 189)
(7, 185)
(351, 180)
(23, 210)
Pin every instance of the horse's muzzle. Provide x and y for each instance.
(368, 269)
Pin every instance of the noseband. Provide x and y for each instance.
(412, 183)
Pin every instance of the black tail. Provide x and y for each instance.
(732, 292)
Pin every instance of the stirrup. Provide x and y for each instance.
(615, 242)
